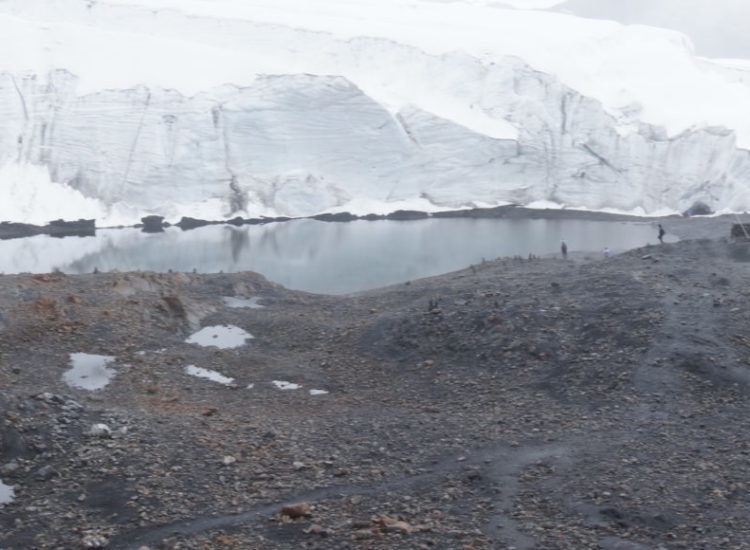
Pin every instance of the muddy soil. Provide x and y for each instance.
(531, 404)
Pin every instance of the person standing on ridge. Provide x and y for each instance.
(564, 250)
(606, 252)
(661, 234)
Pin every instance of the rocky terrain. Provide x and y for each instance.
(529, 404)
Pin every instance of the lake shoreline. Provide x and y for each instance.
(341, 258)
(155, 223)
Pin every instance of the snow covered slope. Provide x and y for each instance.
(281, 107)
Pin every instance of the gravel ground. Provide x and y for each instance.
(527, 404)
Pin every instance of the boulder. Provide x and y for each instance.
(152, 224)
(298, 510)
(698, 209)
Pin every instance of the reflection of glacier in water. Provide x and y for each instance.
(318, 256)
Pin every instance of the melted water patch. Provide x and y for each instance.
(221, 336)
(252, 303)
(88, 371)
(284, 385)
(208, 374)
(6, 494)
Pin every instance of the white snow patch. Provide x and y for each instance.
(250, 386)
(88, 371)
(638, 211)
(361, 206)
(208, 374)
(318, 392)
(284, 385)
(220, 336)
(6, 494)
(252, 302)
(30, 196)
(545, 205)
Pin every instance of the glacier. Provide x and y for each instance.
(118, 109)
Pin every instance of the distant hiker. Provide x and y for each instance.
(564, 250)
(661, 234)
(606, 252)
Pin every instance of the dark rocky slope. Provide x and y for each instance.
(540, 404)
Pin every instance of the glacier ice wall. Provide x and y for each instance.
(302, 144)
(325, 121)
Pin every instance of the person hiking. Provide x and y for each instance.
(564, 250)
(661, 234)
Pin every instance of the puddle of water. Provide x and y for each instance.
(88, 371)
(6, 494)
(284, 385)
(318, 392)
(221, 336)
(208, 374)
(252, 303)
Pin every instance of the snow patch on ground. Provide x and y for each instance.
(208, 374)
(220, 336)
(88, 371)
(284, 385)
(639, 211)
(30, 196)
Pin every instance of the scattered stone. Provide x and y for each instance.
(295, 511)
(9, 469)
(394, 525)
(45, 473)
(315, 529)
(153, 224)
(94, 540)
(571, 375)
(99, 430)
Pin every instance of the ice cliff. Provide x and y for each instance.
(224, 108)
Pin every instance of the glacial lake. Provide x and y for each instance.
(316, 256)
